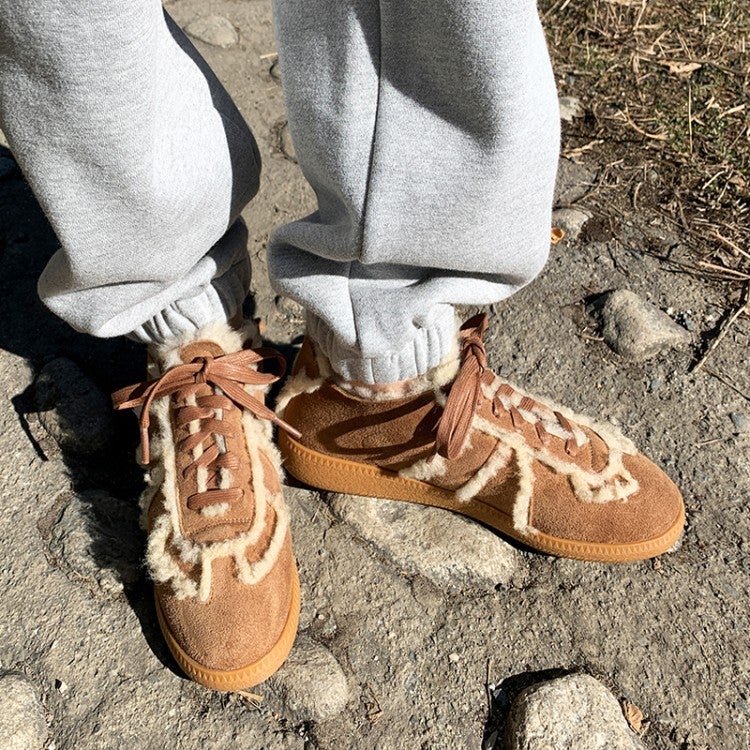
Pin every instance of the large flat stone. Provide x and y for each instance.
(448, 549)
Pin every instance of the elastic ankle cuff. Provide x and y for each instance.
(428, 347)
(219, 301)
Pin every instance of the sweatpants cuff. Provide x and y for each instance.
(428, 346)
(219, 301)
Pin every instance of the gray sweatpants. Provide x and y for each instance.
(427, 128)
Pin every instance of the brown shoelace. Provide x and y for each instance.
(230, 373)
(466, 395)
(466, 392)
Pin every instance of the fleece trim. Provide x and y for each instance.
(172, 558)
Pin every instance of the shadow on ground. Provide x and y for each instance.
(30, 331)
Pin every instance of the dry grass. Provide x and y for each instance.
(666, 88)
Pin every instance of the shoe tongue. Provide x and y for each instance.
(197, 349)
(236, 520)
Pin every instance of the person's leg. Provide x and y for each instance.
(139, 159)
(429, 131)
(142, 163)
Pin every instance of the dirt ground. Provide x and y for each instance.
(670, 635)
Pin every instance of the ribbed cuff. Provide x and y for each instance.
(219, 301)
(212, 292)
(428, 347)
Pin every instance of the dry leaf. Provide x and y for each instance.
(252, 697)
(676, 68)
(633, 715)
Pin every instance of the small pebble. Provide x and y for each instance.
(571, 220)
(570, 108)
(685, 319)
(575, 712)
(635, 328)
(214, 30)
(310, 686)
(740, 420)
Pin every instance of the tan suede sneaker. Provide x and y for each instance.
(466, 440)
(219, 546)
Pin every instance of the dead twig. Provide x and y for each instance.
(724, 269)
(624, 117)
(731, 245)
(373, 711)
(713, 441)
(725, 326)
(727, 383)
(572, 153)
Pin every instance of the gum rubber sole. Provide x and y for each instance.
(243, 677)
(349, 477)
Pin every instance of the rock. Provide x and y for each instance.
(96, 540)
(570, 108)
(636, 329)
(574, 180)
(290, 310)
(7, 167)
(3, 140)
(448, 549)
(575, 712)
(571, 220)
(310, 686)
(22, 722)
(73, 409)
(740, 420)
(215, 30)
(687, 322)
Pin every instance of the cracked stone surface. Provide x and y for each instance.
(96, 540)
(76, 612)
(72, 408)
(575, 712)
(574, 180)
(447, 549)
